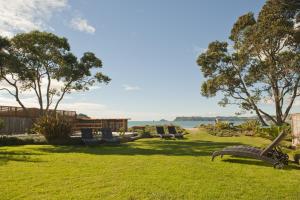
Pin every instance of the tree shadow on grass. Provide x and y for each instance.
(247, 161)
(150, 147)
(160, 147)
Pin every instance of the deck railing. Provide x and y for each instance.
(13, 111)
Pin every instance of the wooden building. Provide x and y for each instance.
(114, 124)
(17, 121)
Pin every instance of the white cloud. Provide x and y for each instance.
(131, 88)
(83, 107)
(10, 101)
(26, 15)
(81, 24)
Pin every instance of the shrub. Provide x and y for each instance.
(122, 131)
(273, 131)
(222, 129)
(36, 139)
(21, 140)
(222, 125)
(53, 127)
(250, 127)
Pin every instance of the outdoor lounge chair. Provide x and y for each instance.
(172, 130)
(108, 137)
(272, 154)
(87, 137)
(161, 132)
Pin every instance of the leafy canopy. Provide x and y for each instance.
(261, 64)
(42, 62)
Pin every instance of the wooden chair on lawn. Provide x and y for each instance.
(87, 137)
(161, 132)
(172, 130)
(272, 154)
(108, 137)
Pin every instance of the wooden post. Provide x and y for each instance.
(295, 130)
(125, 124)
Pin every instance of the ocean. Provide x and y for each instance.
(184, 124)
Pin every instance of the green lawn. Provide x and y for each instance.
(145, 169)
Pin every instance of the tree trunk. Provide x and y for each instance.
(261, 119)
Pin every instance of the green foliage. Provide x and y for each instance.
(261, 62)
(222, 125)
(273, 131)
(221, 129)
(53, 127)
(254, 128)
(21, 140)
(41, 56)
(122, 131)
(250, 127)
(7, 141)
(81, 115)
(34, 139)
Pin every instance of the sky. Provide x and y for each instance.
(148, 48)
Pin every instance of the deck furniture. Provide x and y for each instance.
(88, 138)
(108, 137)
(172, 130)
(272, 154)
(161, 132)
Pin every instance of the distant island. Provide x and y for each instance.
(163, 120)
(222, 118)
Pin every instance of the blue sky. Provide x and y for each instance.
(148, 48)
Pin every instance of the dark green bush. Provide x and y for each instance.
(37, 139)
(221, 129)
(21, 140)
(223, 126)
(250, 127)
(273, 131)
(53, 127)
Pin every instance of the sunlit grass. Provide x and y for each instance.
(145, 169)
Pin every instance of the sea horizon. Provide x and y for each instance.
(183, 124)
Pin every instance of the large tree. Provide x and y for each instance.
(43, 63)
(262, 62)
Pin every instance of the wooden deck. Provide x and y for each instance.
(17, 121)
(114, 124)
(12, 111)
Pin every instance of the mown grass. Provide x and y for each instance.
(144, 169)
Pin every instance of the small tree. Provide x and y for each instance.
(263, 65)
(33, 61)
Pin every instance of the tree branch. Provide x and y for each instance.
(286, 113)
(269, 116)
